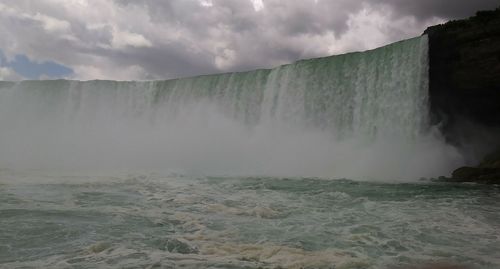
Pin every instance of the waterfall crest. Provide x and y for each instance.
(359, 115)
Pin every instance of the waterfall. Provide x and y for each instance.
(359, 115)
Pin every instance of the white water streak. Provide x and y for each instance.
(360, 115)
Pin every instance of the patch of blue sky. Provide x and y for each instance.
(29, 69)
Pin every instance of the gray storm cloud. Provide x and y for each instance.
(148, 39)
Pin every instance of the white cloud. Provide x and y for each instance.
(105, 71)
(225, 59)
(257, 4)
(8, 74)
(52, 24)
(122, 39)
(206, 3)
(140, 39)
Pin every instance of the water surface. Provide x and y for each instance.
(145, 220)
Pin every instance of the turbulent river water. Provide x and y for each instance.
(171, 221)
(315, 164)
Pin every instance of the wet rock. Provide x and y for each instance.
(488, 171)
(474, 173)
(464, 76)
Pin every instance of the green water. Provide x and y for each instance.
(362, 116)
(173, 221)
(359, 115)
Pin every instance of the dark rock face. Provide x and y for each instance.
(476, 174)
(465, 77)
(464, 90)
(488, 171)
(491, 160)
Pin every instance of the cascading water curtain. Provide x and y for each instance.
(358, 115)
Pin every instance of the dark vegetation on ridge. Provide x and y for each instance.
(465, 90)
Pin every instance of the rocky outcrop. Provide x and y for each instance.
(488, 171)
(476, 174)
(465, 77)
(464, 85)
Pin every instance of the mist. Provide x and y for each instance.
(356, 116)
(201, 140)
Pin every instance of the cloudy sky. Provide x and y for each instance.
(160, 39)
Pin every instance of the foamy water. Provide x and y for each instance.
(54, 220)
(361, 116)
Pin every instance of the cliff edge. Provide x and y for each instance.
(464, 86)
(464, 80)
